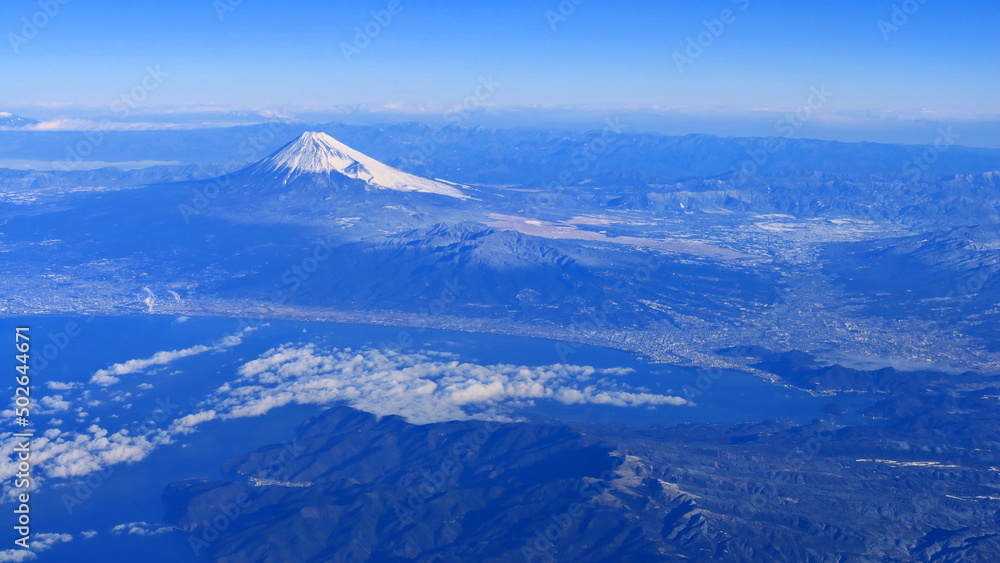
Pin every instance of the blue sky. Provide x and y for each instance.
(943, 62)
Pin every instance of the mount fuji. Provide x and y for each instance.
(318, 162)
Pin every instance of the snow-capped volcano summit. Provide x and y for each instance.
(8, 119)
(317, 154)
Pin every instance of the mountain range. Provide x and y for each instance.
(676, 269)
(8, 119)
(813, 273)
(613, 156)
(353, 487)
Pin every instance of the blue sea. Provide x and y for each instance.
(71, 350)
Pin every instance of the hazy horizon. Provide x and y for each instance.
(894, 72)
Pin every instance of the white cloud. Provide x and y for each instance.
(54, 403)
(108, 376)
(62, 386)
(90, 125)
(17, 555)
(39, 542)
(186, 424)
(103, 379)
(423, 388)
(139, 529)
(61, 455)
(46, 541)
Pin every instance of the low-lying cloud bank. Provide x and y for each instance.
(109, 376)
(422, 387)
(39, 542)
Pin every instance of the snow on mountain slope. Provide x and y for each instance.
(319, 153)
(8, 119)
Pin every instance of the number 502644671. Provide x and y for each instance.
(22, 402)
